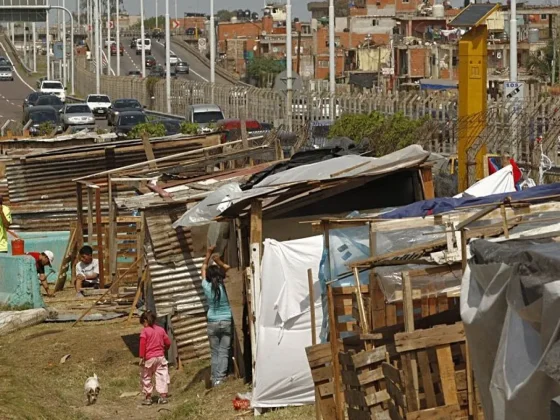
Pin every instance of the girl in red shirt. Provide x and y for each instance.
(154, 341)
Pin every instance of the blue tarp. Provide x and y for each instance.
(442, 205)
(438, 84)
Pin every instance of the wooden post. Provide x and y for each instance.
(427, 182)
(361, 309)
(80, 215)
(504, 220)
(313, 334)
(149, 151)
(255, 242)
(99, 228)
(140, 235)
(111, 240)
(298, 65)
(335, 350)
(90, 215)
(463, 249)
(408, 305)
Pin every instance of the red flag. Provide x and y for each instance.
(516, 171)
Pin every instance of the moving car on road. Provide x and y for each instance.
(173, 59)
(182, 68)
(6, 73)
(136, 73)
(157, 71)
(5, 61)
(133, 43)
(99, 105)
(50, 100)
(40, 115)
(77, 116)
(55, 87)
(127, 120)
(150, 61)
(31, 99)
(114, 49)
(122, 105)
(147, 46)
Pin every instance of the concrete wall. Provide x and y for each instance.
(19, 285)
(40, 241)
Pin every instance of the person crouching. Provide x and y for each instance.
(87, 271)
(154, 341)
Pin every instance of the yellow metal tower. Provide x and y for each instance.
(473, 60)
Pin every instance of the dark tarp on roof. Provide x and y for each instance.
(300, 158)
(442, 205)
(363, 80)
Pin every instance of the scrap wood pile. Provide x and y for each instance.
(397, 349)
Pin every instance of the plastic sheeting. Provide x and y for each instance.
(282, 375)
(510, 305)
(499, 182)
(209, 208)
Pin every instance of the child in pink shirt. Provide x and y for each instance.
(154, 341)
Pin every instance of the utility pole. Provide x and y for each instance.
(142, 38)
(212, 48)
(34, 37)
(289, 65)
(108, 37)
(25, 43)
(298, 65)
(118, 18)
(167, 59)
(48, 46)
(513, 41)
(64, 63)
(332, 61)
(157, 14)
(97, 47)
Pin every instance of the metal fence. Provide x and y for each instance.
(502, 129)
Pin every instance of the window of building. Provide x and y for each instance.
(323, 64)
(374, 22)
(544, 17)
(405, 1)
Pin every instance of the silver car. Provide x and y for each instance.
(78, 116)
(6, 73)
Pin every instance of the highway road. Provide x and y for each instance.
(13, 93)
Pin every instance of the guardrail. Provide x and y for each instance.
(74, 99)
(13, 50)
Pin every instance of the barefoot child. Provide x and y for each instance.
(153, 344)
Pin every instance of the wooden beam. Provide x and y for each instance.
(427, 182)
(99, 228)
(90, 215)
(313, 334)
(80, 214)
(339, 404)
(408, 306)
(149, 151)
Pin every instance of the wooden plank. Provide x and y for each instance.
(370, 357)
(410, 380)
(364, 324)
(427, 380)
(348, 291)
(149, 151)
(377, 397)
(427, 182)
(391, 314)
(408, 306)
(370, 376)
(394, 411)
(67, 259)
(447, 374)
(436, 336)
(440, 413)
(326, 389)
(318, 351)
(391, 373)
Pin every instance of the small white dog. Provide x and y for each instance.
(92, 389)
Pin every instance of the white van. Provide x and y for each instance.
(147, 46)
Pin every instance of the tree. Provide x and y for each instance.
(539, 64)
(259, 67)
(379, 133)
(102, 7)
(224, 15)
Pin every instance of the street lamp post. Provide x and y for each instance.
(332, 62)
(108, 37)
(34, 30)
(48, 46)
(118, 38)
(167, 59)
(289, 74)
(142, 38)
(97, 48)
(157, 14)
(25, 43)
(64, 63)
(212, 48)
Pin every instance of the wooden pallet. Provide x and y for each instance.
(364, 389)
(320, 362)
(431, 380)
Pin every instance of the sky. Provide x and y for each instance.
(299, 7)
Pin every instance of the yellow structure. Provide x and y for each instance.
(472, 85)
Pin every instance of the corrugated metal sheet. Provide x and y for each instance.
(177, 287)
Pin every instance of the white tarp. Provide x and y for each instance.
(498, 183)
(282, 374)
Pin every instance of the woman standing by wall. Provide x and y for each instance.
(219, 314)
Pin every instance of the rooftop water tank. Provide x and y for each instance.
(533, 35)
(438, 11)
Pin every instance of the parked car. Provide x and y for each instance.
(150, 61)
(204, 115)
(182, 68)
(173, 59)
(231, 128)
(171, 126)
(122, 105)
(136, 73)
(31, 99)
(99, 104)
(77, 115)
(127, 120)
(114, 49)
(50, 100)
(157, 71)
(40, 115)
(55, 87)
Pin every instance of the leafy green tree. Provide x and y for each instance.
(539, 64)
(379, 133)
(260, 67)
(224, 15)
(103, 7)
(149, 128)
(46, 128)
(189, 128)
